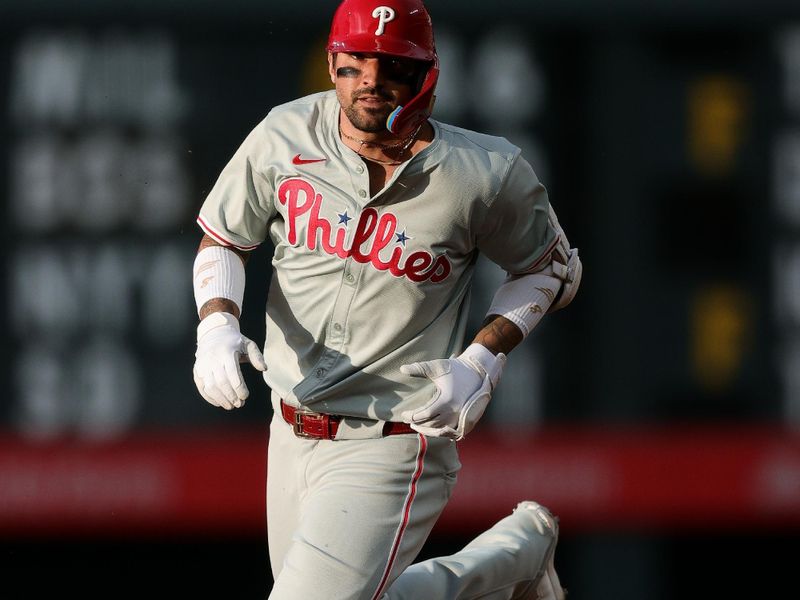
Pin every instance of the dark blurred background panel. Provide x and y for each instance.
(657, 415)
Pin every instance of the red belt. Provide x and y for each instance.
(307, 424)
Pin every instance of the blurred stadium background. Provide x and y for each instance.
(658, 415)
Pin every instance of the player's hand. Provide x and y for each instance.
(464, 387)
(220, 348)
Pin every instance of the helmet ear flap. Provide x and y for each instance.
(420, 79)
(405, 119)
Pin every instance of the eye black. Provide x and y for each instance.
(347, 72)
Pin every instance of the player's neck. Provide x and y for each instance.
(384, 147)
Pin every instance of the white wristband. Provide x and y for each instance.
(525, 299)
(218, 273)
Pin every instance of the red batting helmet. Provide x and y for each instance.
(397, 28)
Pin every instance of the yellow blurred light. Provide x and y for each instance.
(315, 69)
(719, 334)
(717, 110)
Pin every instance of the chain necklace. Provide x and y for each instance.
(403, 145)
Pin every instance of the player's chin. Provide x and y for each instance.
(371, 120)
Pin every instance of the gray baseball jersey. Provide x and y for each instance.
(362, 285)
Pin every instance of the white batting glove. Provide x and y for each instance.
(220, 348)
(464, 387)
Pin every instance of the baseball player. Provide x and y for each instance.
(377, 213)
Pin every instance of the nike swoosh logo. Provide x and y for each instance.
(305, 161)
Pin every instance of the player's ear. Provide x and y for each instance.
(332, 67)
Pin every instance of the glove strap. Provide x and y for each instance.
(214, 320)
(483, 361)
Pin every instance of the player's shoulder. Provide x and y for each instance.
(294, 115)
(463, 140)
(478, 161)
(289, 124)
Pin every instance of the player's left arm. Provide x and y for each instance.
(499, 335)
(464, 383)
(548, 281)
(522, 300)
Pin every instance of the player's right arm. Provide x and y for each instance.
(235, 219)
(218, 283)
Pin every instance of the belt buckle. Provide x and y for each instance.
(297, 426)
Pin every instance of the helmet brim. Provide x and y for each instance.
(381, 45)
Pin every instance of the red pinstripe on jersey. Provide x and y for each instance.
(398, 536)
(213, 233)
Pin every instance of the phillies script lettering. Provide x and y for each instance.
(373, 234)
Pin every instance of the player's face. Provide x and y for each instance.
(371, 86)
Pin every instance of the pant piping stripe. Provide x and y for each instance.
(398, 537)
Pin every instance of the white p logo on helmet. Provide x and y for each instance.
(384, 14)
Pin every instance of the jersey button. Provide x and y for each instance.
(320, 372)
(337, 327)
(349, 278)
(360, 169)
(362, 193)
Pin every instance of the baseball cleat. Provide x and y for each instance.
(548, 587)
